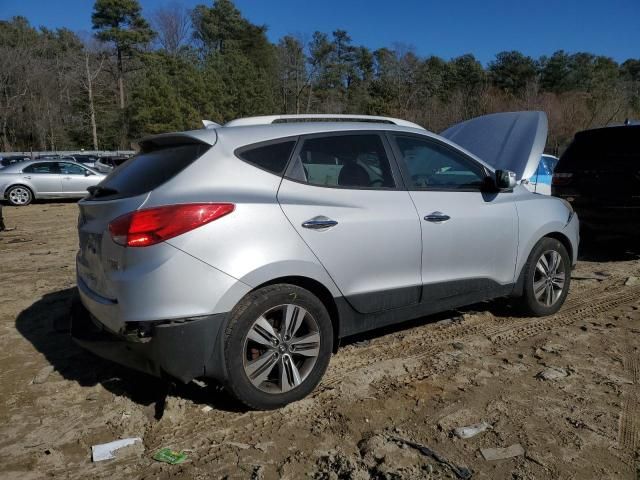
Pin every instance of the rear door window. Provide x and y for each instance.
(43, 167)
(148, 170)
(344, 161)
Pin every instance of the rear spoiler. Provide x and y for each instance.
(153, 142)
(506, 141)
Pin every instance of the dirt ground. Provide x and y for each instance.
(417, 381)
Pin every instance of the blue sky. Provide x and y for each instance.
(445, 28)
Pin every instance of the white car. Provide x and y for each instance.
(540, 182)
(22, 182)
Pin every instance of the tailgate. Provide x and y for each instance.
(98, 255)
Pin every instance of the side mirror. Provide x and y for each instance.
(505, 180)
(87, 173)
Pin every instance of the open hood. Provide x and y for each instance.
(506, 141)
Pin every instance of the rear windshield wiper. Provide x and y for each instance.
(98, 191)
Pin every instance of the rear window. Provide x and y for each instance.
(272, 157)
(148, 170)
(608, 148)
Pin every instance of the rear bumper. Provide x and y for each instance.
(180, 349)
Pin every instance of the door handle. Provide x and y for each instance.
(28, 177)
(437, 217)
(317, 223)
(67, 178)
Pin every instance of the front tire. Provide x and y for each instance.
(19, 196)
(547, 277)
(277, 346)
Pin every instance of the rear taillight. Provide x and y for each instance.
(154, 225)
(561, 178)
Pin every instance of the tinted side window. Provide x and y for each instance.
(148, 170)
(348, 161)
(431, 165)
(613, 149)
(272, 157)
(44, 167)
(71, 169)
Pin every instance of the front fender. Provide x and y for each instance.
(540, 216)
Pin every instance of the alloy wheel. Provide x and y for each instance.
(19, 196)
(281, 348)
(549, 278)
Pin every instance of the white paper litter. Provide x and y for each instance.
(106, 451)
(471, 430)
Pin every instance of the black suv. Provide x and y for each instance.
(599, 174)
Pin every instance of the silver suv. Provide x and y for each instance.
(245, 252)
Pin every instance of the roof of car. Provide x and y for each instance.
(242, 134)
(16, 167)
(610, 128)
(275, 130)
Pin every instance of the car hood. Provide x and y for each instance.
(506, 141)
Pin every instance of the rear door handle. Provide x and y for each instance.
(317, 223)
(28, 177)
(437, 217)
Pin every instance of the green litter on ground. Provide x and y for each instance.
(170, 456)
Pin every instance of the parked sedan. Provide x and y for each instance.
(20, 183)
(86, 159)
(245, 252)
(107, 164)
(11, 159)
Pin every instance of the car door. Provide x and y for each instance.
(76, 179)
(342, 194)
(45, 177)
(469, 236)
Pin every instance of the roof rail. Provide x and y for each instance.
(271, 119)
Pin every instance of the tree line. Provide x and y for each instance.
(135, 76)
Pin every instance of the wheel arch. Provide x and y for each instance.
(13, 185)
(561, 237)
(320, 291)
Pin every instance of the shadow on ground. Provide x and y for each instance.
(46, 325)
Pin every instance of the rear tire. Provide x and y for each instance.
(277, 346)
(19, 195)
(547, 277)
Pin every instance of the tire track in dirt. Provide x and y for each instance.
(418, 343)
(499, 330)
(629, 421)
(589, 307)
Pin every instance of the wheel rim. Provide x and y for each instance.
(549, 278)
(19, 196)
(281, 348)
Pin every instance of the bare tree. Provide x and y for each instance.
(172, 24)
(87, 84)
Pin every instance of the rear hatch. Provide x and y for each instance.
(601, 168)
(126, 190)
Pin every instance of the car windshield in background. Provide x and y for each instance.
(147, 171)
